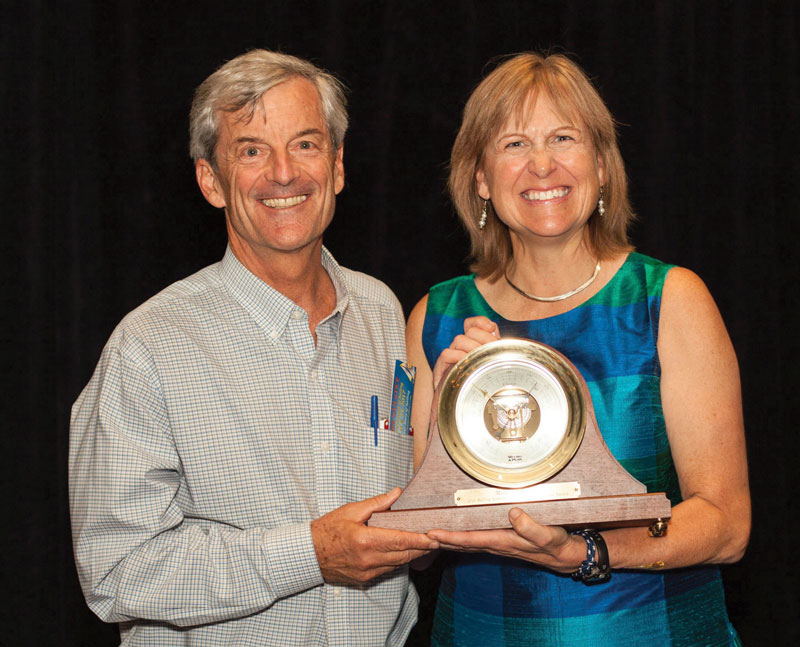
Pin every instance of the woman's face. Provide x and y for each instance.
(542, 175)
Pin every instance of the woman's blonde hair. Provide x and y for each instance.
(506, 92)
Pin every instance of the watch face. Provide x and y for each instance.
(511, 413)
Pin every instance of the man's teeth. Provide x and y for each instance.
(546, 195)
(283, 203)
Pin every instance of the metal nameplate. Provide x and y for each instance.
(543, 492)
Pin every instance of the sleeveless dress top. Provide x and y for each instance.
(491, 601)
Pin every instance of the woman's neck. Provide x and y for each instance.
(554, 275)
(553, 268)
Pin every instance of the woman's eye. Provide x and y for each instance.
(515, 144)
(560, 139)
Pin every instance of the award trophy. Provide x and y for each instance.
(513, 426)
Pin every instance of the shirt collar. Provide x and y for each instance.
(271, 309)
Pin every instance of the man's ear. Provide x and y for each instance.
(338, 170)
(207, 181)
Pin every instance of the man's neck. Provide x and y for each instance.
(298, 275)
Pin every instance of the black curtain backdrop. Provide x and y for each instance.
(102, 211)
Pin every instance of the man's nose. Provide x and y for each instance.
(282, 168)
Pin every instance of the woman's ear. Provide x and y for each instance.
(601, 170)
(483, 186)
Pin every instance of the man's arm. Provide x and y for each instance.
(139, 555)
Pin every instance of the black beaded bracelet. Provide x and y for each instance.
(595, 568)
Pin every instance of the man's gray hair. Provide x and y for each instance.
(242, 81)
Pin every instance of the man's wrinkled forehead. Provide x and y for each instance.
(228, 117)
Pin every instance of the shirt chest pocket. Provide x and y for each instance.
(378, 466)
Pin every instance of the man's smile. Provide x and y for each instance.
(284, 203)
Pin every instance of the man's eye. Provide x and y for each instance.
(252, 151)
(306, 145)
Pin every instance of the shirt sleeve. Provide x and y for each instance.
(137, 556)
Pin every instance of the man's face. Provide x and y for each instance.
(277, 174)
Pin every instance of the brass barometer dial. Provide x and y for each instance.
(511, 413)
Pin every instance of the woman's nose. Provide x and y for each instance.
(541, 162)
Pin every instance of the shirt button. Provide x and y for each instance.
(297, 314)
(324, 447)
(337, 592)
(274, 334)
(312, 374)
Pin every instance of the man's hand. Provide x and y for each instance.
(352, 553)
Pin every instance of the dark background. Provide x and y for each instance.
(101, 211)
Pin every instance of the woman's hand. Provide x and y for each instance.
(477, 331)
(548, 546)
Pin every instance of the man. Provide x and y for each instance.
(222, 459)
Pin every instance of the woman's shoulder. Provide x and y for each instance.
(673, 278)
(647, 272)
(443, 293)
(685, 286)
(450, 285)
(637, 259)
(688, 307)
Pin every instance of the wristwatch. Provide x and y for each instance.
(595, 568)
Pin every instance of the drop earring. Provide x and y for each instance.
(482, 219)
(601, 206)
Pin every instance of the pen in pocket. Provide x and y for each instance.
(374, 417)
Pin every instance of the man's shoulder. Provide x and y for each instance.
(368, 288)
(182, 300)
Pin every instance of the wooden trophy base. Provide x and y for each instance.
(592, 491)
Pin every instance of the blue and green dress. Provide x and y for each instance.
(490, 601)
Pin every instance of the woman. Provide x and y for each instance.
(537, 180)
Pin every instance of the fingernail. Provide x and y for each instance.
(514, 514)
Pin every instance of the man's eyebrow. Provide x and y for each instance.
(309, 131)
(247, 139)
(250, 139)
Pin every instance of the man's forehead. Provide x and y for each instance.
(295, 100)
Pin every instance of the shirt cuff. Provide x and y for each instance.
(291, 559)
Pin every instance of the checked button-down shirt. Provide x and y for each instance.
(210, 435)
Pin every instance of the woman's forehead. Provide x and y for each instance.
(566, 110)
(523, 112)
